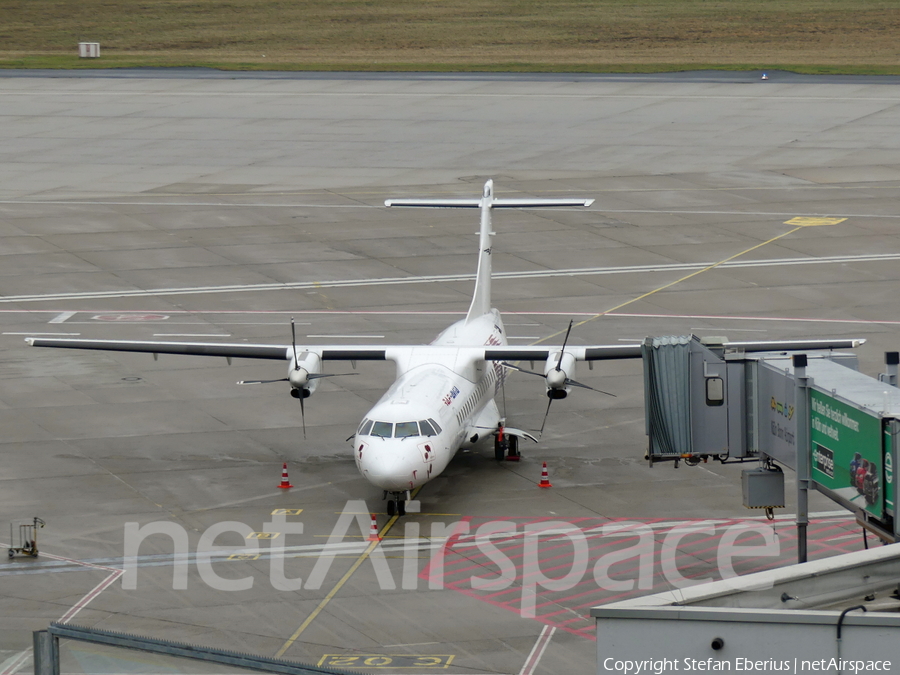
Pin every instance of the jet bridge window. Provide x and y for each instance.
(383, 429)
(406, 430)
(715, 391)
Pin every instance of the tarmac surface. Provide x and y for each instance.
(197, 208)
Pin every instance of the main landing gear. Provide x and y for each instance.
(506, 446)
(397, 504)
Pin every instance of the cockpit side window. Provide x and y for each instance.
(427, 429)
(383, 429)
(406, 429)
(365, 427)
(434, 425)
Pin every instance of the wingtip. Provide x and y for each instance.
(30, 341)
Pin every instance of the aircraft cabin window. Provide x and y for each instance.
(427, 429)
(434, 425)
(406, 429)
(366, 427)
(383, 429)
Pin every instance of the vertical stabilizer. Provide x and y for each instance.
(481, 300)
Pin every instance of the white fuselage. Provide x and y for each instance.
(442, 399)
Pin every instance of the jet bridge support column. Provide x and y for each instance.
(803, 471)
(891, 361)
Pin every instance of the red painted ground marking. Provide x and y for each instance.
(695, 557)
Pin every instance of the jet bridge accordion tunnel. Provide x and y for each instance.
(772, 403)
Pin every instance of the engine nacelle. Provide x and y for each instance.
(306, 365)
(557, 373)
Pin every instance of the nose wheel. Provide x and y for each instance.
(396, 505)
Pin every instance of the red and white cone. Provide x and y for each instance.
(545, 477)
(285, 483)
(373, 530)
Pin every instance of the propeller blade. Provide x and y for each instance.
(316, 376)
(303, 417)
(294, 346)
(546, 414)
(281, 379)
(584, 386)
(565, 342)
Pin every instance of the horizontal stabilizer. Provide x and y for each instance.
(494, 203)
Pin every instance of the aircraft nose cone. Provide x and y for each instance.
(392, 465)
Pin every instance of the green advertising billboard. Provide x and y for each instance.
(888, 471)
(847, 449)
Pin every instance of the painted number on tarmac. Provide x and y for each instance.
(385, 661)
(244, 556)
(287, 512)
(263, 535)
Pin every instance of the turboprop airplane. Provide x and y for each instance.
(443, 396)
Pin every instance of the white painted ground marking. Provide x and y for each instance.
(192, 335)
(62, 318)
(429, 94)
(293, 205)
(735, 330)
(33, 333)
(368, 337)
(20, 661)
(391, 281)
(852, 535)
(17, 662)
(93, 593)
(858, 322)
(537, 651)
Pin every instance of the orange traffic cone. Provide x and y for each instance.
(373, 530)
(285, 483)
(545, 477)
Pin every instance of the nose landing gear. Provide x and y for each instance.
(397, 504)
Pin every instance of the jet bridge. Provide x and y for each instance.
(707, 398)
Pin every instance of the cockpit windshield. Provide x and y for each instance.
(406, 429)
(399, 430)
(383, 429)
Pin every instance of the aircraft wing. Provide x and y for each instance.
(237, 351)
(540, 353)
(633, 351)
